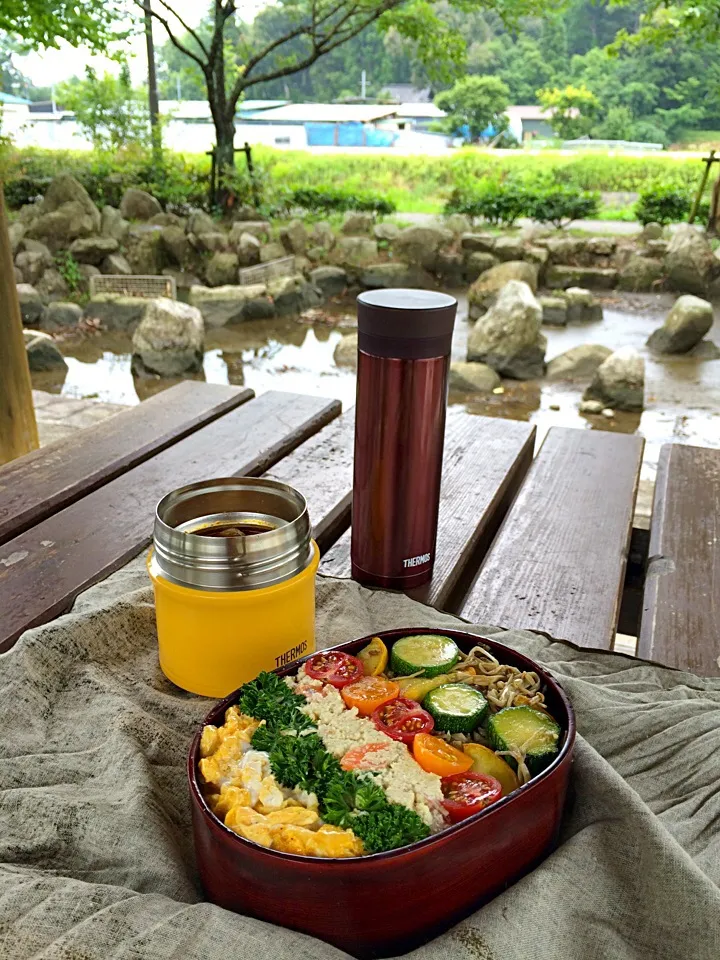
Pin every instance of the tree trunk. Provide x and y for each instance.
(225, 162)
(18, 430)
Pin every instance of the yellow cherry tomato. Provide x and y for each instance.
(374, 657)
(436, 756)
(369, 693)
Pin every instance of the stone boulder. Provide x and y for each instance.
(43, 354)
(476, 263)
(183, 280)
(247, 248)
(386, 276)
(689, 320)
(113, 224)
(214, 242)
(560, 277)
(619, 381)
(387, 231)
(59, 315)
(167, 220)
(93, 249)
(201, 222)
(272, 251)
(345, 353)
(601, 246)
(473, 378)
(222, 305)
(145, 251)
(508, 338)
(169, 339)
(257, 228)
(138, 205)
(330, 281)
(509, 248)
(115, 312)
(484, 292)
(53, 285)
(32, 264)
(175, 244)
(294, 237)
(88, 271)
(565, 249)
(29, 212)
(458, 223)
(420, 245)
(450, 268)
(116, 265)
(484, 242)
(292, 295)
(356, 224)
(66, 189)
(582, 307)
(641, 274)
(537, 255)
(652, 231)
(578, 363)
(16, 231)
(222, 270)
(31, 304)
(555, 310)
(355, 251)
(322, 235)
(60, 227)
(689, 260)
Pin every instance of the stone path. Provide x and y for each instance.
(59, 417)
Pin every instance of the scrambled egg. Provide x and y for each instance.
(244, 794)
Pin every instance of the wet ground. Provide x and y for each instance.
(682, 394)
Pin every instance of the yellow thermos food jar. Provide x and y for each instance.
(233, 567)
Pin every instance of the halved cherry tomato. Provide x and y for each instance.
(334, 667)
(436, 756)
(369, 693)
(467, 793)
(402, 719)
(368, 757)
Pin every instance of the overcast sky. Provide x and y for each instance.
(47, 67)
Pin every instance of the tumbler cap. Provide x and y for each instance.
(406, 324)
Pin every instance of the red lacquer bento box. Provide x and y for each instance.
(387, 903)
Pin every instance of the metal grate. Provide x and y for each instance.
(147, 288)
(284, 267)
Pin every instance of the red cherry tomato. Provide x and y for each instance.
(402, 719)
(467, 793)
(334, 667)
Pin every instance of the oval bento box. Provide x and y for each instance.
(387, 903)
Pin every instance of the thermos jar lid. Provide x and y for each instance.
(406, 324)
(236, 533)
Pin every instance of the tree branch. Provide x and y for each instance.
(173, 39)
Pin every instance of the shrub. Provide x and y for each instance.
(662, 203)
(498, 203)
(560, 205)
(334, 199)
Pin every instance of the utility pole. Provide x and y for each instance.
(153, 103)
(363, 84)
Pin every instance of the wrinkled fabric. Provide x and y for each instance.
(96, 857)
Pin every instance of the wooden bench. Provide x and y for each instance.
(680, 625)
(43, 569)
(43, 482)
(558, 562)
(484, 464)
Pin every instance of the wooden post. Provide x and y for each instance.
(247, 150)
(18, 430)
(708, 161)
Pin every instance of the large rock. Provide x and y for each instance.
(601, 246)
(686, 324)
(652, 231)
(509, 248)
(322, 235)
(582, 307)
(508, 338)
(115, 312)
(116, 265)
(476, 263)
(138, 205)
(31, 304)
(32, 264)
(596, 278)
(420, 245)
(458, 223)
(113, 224)
(183, 280)
(214, 242)
(169, 339)
(43, 354)
(355, 251)
(66, 189)
(640, 274)
(257, 228)
(565, 249)
(386, 231)
(60, 315)
(356, 224)
(484, 292)
(450, 268)
(272, 251)
(222, 305)
(619, 382)
(473, 378)
(201, 222)
(167, 220)
(294, 237)
(16, 231)
(689, 260)
(386, 276)
(175, 244)
(144, 250)
(555, 310)
(330, 281)
(578, 363)
(93, 249)
(292, 295)
(222, 269)
(60, 227)
(53, 285)
(345, 354)
(484, 242)
(248, 250)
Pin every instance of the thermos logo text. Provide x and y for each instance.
(416, 561)
(292, 654)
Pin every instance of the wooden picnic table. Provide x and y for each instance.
(525, 540)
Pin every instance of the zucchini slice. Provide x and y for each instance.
(430, 652)
(456, 707)
(529, 731)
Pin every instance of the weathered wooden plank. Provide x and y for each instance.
(680, 624)
(484, 464)
(558, 562)
(43, 482)
(322, 470)
(44, 569)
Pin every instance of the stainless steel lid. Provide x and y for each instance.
(204, 534)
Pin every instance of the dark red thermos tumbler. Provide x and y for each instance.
(404, 339)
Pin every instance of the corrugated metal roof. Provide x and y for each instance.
(423, 111)
(327, 113)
